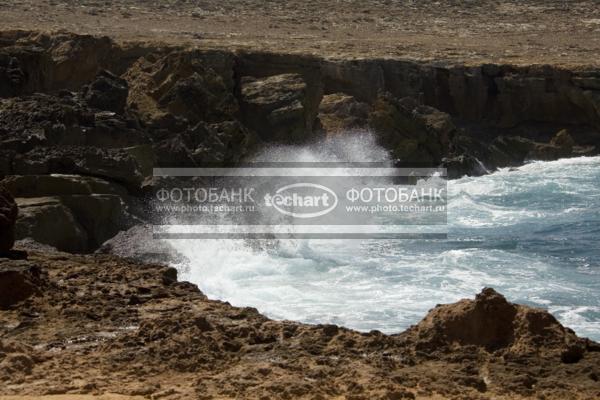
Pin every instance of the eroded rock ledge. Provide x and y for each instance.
(83, 119)
(101, 324)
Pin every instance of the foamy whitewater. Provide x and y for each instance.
(532, 233)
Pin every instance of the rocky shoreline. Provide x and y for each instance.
(84, 119)
(98, 324)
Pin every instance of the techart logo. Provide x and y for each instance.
(303, 200)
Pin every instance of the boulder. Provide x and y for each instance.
(463, 165)
(107, 92)
(340, 112)
(413, 132)
(73, 222)
(98, 208)
(8, 217)
(49, 221)
(181, 85)
(279, 108)
(101, 215)
(564, 141)
(18, 281)
(491, 322)
(138, 244)
(46, 62)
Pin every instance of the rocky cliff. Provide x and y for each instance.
(83, 119)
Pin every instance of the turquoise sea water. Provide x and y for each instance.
(532, 233)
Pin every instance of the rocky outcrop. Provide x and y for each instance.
(86, 211)
(188, 108)
(181, 85)
(42, 62)
(463, 165)
(44, 120)
(107, 92)
(493, 323)
(18, 281)
(8, 216)
(60, 185)
(139, 245)
(49, 221)
(413, 132)
(133, 319)
(117, 165)
(82, 105)
(339, 112)
(279, 108)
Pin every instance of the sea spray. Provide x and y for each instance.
(531, 233)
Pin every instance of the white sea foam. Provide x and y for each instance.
(531, 233)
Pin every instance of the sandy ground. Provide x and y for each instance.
(473, 31)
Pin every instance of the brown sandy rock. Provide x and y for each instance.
(111, 322)
(279, 107)
(340, 112)
(491, 322)
(179, 84)
(75, 59)
(8, 217)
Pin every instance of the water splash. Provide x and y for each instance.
(531, 233)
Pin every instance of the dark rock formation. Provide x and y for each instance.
(60, 185)
(86, 211)
(413, 132)
(463, 165)
(279, 108)
(18, 281)
(85, 106)
(44, 120)
(113, 164)
(40, 62)
(107, 92)
(178, 85)
(8, 216)
(49, 221)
